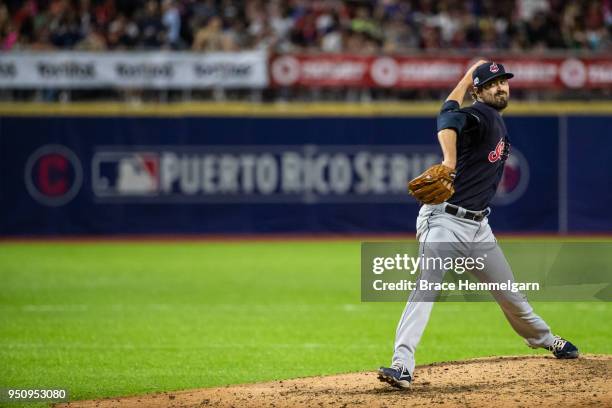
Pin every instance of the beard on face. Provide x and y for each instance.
(498, 101)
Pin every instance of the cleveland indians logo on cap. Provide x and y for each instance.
(493, 68)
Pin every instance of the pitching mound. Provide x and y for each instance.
(504, 381)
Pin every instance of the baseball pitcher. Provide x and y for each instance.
(455, 196)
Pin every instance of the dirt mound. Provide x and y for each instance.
(503, 381)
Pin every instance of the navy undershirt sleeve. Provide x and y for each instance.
(450, 117)
(450, 105)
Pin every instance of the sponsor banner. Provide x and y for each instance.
(180, 70)
(133, 70)
(306, 174)
(432, 72)
(81, 175)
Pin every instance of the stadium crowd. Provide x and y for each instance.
(394, 26)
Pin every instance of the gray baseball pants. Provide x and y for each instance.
(434, 226)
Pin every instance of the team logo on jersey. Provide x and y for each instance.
(53, 175)
(496, 154)
(493, 68)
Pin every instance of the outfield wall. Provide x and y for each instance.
(101, 169)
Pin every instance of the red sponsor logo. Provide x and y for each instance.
(410, 72)
(495, 155)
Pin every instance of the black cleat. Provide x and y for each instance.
(562, 348)
(395, 376)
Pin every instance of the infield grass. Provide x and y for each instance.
(110, 319)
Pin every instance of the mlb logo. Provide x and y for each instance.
(126, 174)
(138, 174)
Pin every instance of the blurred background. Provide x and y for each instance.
(249, 117)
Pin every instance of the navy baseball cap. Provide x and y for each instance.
(487, 72)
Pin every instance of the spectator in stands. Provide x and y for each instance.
(595, 31)
(171, 19)
(151, 29)
(364, 23)
(319, 26)
(304, 31)
(8, 33)
(86, 18)
(203, 10)
(64, 25)
(123, 33)
(212, 37)
(281, 24)
(331, 34)
(94, 41)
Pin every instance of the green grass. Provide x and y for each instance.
(108, 319)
